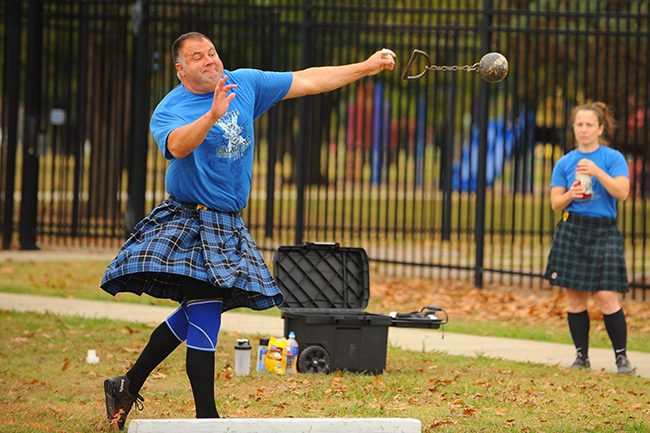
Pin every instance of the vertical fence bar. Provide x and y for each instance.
(82, 94)
(484, 107)
(139, 115)
(269, 220)
(32, 126)
(303, 119)
(643, 280)
(12, 87)
(448, 145)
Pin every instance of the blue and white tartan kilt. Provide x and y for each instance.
(176, 239)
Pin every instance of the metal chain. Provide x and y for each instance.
(467, 68)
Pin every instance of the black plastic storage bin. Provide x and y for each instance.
(325, 289)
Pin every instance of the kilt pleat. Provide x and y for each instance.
(587, 254)
(178, 240)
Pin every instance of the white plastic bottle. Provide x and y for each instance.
(291, 353)
(242, 358)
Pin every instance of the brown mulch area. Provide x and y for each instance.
(462, 300)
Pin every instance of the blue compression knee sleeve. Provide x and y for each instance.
(177, 323)
(204, 319)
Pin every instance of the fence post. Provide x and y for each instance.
(12, 60)
(484, 112)
(269, 221)
(139, 115)
(448, 145)
(303, 107)
(82, 95)
(32, 125)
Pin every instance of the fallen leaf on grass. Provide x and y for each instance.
(66, 364)
(400, 406)
(35, 382)
(438, 381)
(440, 422)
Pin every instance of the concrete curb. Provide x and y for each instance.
(278, 425)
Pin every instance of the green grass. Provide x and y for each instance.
(47, 386)
(555, 332)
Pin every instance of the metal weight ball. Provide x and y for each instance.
(493, 67)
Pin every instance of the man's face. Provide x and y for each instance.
(201, 68)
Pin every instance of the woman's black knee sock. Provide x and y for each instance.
(200, 370)
(161, 343)
(579, 327)
(617, 329)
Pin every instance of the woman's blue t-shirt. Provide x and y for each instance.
(601, 204)
(218, 173)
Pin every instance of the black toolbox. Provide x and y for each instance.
(325, 288)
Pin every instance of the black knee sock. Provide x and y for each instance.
(617, 330)
(579, 327)
(161, 343)
(200, 370)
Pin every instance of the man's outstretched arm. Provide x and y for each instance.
(317, 80)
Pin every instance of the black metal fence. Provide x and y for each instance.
(446, 176)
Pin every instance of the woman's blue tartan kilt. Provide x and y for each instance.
(176, 239)
(587, 254)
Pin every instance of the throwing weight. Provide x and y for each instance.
(493, 67)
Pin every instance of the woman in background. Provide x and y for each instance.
(587, 254)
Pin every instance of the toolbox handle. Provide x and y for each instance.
(322, 244)
(434, 308)
(364, 319)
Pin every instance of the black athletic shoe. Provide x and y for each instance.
(119, 401)
(581, 362)
(623, 365)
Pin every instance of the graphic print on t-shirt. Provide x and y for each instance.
(236, 142)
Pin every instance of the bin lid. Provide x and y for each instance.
(322, 276)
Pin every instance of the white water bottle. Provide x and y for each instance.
(291, 354)
(242, 358)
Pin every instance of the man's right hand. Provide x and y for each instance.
(222, 100)
(183, 140)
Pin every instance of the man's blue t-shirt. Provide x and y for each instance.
(601, 204)
(218, 172)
